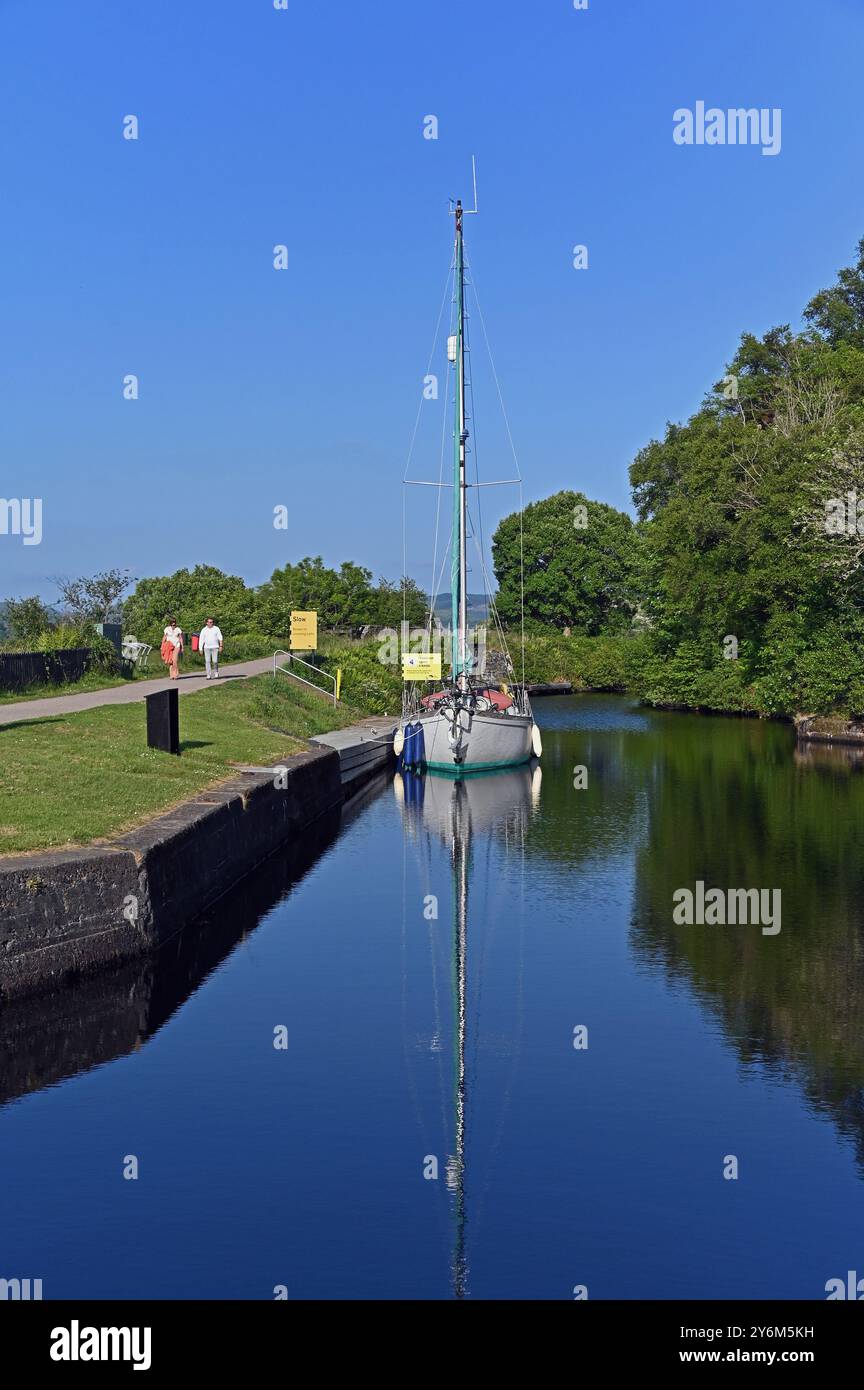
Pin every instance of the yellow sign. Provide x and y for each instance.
(421, 666)
(304, 632)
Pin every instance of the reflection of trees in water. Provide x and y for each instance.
(601, 820)
(740, 809)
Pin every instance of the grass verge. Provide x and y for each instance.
(72, 779)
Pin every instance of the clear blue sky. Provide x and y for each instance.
(305, 127)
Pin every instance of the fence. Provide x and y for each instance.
(20, 669)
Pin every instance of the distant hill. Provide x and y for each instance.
(477, 607)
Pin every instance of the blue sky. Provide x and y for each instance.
(261, 388)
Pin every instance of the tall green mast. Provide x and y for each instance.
(458, 556)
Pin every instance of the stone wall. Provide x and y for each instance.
(68, 912)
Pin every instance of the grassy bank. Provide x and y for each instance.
(81, 777)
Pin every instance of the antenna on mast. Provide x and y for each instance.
(474, 181)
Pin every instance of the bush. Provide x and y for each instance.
(366, 682)
(103, 656)
(589, 663)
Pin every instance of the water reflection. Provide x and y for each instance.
(44, 1039)
(742, 806)
(465, 815)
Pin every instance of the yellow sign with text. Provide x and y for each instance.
(304, 632)
(421, 666)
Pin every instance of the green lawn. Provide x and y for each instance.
(80, 777)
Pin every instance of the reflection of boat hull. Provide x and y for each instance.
(480, 743)
(491, 802)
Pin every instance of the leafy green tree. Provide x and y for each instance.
(395, 602)
(191, 596)
(580, 564)
(838, 313)
(342, 598)
(732, 530)
(25, 618)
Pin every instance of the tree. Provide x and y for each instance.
(395, 602)
(342, 598)
(579, 564)
(838, 313)
(191, 596)
(97, 599)
(25, 618)
(732, 520)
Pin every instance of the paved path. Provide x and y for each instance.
(126, 694)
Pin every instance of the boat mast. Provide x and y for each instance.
(459, 558)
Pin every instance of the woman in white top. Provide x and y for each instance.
(174, 635)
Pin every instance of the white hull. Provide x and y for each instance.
(485, 741)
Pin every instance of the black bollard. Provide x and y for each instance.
(163, 721)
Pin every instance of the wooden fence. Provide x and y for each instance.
(21, 669)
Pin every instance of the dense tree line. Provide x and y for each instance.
(753, 587)
(345, 599)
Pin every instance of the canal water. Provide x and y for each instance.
(456, 1046)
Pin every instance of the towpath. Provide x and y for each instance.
(126, 694)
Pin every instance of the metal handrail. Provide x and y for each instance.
(309, 667)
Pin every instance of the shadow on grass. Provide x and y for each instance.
(23, 723)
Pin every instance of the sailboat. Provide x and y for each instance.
(471, 725)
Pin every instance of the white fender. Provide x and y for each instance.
(536, 741)
(398, 742)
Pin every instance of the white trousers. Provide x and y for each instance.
(211, 654)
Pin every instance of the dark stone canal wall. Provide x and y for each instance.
(69, 912)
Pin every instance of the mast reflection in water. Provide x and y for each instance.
(459, 811)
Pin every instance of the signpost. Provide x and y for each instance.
(421, 666)
(304, 632)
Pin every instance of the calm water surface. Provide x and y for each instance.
(416, 1040)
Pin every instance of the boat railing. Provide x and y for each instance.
(297, 660)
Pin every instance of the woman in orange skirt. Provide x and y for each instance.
(172, 647)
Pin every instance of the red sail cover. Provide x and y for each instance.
(495, 697)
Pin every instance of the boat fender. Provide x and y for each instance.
(398, 742)
(419, 745)
(536, 741)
